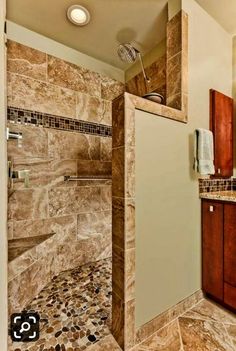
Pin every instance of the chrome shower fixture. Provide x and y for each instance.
(127, 53)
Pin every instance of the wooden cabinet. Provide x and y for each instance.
(221, 124)
(219, 251)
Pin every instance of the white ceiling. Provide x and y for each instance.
(224, 12)
(142, 22)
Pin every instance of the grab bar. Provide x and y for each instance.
(96, 177)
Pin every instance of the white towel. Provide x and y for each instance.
(204, 152)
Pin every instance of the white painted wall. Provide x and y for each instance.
(3, 187)
(168, 220)
(37, 41)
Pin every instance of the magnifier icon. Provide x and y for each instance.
(25, 327)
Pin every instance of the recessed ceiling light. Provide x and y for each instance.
(78, 15)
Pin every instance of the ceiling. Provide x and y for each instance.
(142, 22)
(224, 12)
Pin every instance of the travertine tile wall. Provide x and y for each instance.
(157, 73)
(78, 212)
(177, 62)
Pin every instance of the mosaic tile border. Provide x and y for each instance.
(212, 185)
(45, 120)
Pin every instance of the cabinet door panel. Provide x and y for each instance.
(230, 244)
(221, 124)
(212, 248)
(230, 295)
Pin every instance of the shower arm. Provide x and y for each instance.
(143, 69)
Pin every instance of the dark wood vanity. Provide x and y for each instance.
(219, 251)
(218, 216)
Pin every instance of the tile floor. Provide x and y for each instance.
(74, 308)
(75, 311)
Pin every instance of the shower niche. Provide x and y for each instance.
(161, 74)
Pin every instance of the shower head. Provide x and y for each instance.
(127, 53)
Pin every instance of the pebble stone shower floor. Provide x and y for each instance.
(74, 308)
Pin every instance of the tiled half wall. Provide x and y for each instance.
(123, 190)
(64, 113)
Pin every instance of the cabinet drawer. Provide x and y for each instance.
(230, 295)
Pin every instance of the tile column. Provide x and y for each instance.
(177, 62)
(123, 193)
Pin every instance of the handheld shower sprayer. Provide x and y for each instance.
(127, 53)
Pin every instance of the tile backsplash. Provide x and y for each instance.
(210, 185)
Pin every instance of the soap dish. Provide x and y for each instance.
(155, 97)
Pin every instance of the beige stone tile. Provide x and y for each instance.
(207, 310)
(66, 145)
(137, 85)
(118, 120)
(73, 77)
(130, 127)
(129, 274)
(174, 35)
(118, 321)
(151, 327)
(93, 168)
(45, 172)
(231, 330)
(157, 73)
(167, 339)
(111, 88)
(21, 263)
(174, 75)
(29, 228)
(21, 292)
(118, 172)
(93, 109)
(130, 171)
(205, 335)
(106, 149)
(34, 142)
(130, 223)
(106, 198)
(118, 271)
(175, 101)
(35, 204)
(92, 224)
(66, 201)
(185, 304)
(10, 230)
(41, 96)
(81, 252)
(26, 61)
(118, 220)
(39, 173)
(129, 324)
(106, 344)
(152, 107)
(184, 68)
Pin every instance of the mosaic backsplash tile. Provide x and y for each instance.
(210, 185)
(39, 119)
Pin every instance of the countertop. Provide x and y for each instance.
(229, 195)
